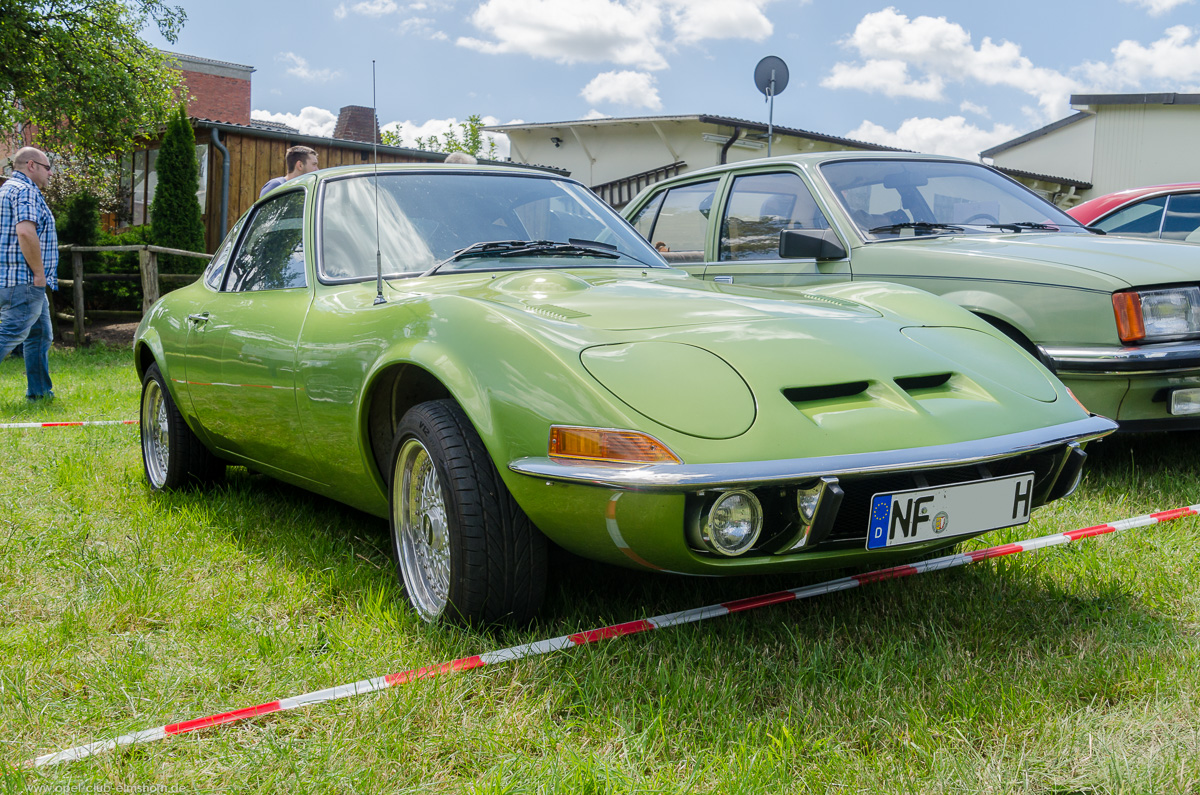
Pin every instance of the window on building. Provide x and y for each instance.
(139, 178)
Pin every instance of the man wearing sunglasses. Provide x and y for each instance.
(28, 265)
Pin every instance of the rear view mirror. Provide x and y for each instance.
(810, 244)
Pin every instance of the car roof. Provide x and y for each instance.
(815, 158)
(1092, 209)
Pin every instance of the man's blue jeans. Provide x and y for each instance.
(25, 317)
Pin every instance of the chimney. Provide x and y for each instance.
(357, 123)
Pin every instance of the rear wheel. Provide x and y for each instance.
(464, 548)
(171, 454)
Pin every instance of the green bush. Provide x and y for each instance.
(79, 220)
(115, 295)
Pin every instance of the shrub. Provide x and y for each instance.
(175, 216)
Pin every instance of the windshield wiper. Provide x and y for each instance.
(1019, 226)
(536, 248)
(920, 226)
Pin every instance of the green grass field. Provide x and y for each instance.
(1071, 670)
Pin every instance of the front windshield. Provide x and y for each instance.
(889, 199)
(426, 217)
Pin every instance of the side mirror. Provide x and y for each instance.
(810, 244)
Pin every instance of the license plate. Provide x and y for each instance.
(916, 515)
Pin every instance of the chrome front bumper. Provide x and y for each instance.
(1159, 358)
(750, 474)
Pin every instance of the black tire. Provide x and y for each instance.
(172, 456)
(464, 549)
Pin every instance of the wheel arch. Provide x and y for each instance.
(393, 390)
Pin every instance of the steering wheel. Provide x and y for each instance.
(981, 217)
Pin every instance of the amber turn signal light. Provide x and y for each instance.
(1128, 310)
(609, 446)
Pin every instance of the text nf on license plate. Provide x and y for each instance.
(916, 515)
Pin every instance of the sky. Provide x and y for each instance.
(944, 77)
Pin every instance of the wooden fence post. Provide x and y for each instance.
(77, 289)
(148, 263)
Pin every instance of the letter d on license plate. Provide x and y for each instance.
(910, 517)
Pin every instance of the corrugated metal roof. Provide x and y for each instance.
(703, 118)
(1038, 133)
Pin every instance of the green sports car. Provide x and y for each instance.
(492, 357)
(1118, 320)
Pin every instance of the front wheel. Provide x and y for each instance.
(171, 454)
(465, 550)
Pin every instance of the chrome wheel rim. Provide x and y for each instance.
(156, 440)
(422, 535)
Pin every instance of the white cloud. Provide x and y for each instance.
(299, 68)
(421, 26)
(967, 106)
(595, 114)
(1166, 63)
(623, 88)
(634, 33)
(889, 77)
(410, 131)
(575, 32)
(309, 121)
(375, 8)
(941, 52)
(949, 136)
(694, 20)
(340, 11)
(1157, 7)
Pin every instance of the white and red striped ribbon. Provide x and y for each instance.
(5, 425)
(615, 630)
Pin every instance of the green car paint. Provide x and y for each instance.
(755, 389)
(1049, 288)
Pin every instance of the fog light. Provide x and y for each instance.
(1185, 401)
(732, 525)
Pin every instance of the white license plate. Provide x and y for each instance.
(916, 515)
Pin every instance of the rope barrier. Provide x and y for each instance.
(604, 633)
(7, 425)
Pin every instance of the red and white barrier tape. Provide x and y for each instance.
(5, 425)
(616, 630)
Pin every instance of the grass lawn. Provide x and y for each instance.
(1071, 670)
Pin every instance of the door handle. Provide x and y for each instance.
(196, 320)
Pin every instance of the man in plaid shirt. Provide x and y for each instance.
(28, 264)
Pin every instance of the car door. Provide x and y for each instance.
(757, 208)
(677, 222)
(241, 348)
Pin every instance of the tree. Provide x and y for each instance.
(470, 140)
(175, 219)
(77, 70)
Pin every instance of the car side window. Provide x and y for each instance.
(214, 273)
(1143, 219)
(645, 218)
(761, 206)
(1183, 218)
(681, 225)
(271, 256)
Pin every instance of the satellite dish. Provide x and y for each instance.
(771, 69)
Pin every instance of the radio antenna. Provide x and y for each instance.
(379, 299)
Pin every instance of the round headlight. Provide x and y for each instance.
(733, 523)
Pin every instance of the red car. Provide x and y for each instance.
(1169, 212)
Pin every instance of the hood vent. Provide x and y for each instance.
(913, 383)
(806, 394)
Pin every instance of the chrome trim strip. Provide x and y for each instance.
(748, 474)
(1154, 358)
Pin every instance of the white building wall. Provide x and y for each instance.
(1145, 145)
(1066, 152)
(604, 152)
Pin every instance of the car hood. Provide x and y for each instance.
(1129, 262)
(600, 299)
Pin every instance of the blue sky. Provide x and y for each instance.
(947, 77)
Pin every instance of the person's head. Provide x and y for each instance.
(460, 157)
(33, 163)
(301, 160)
(661, 246)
